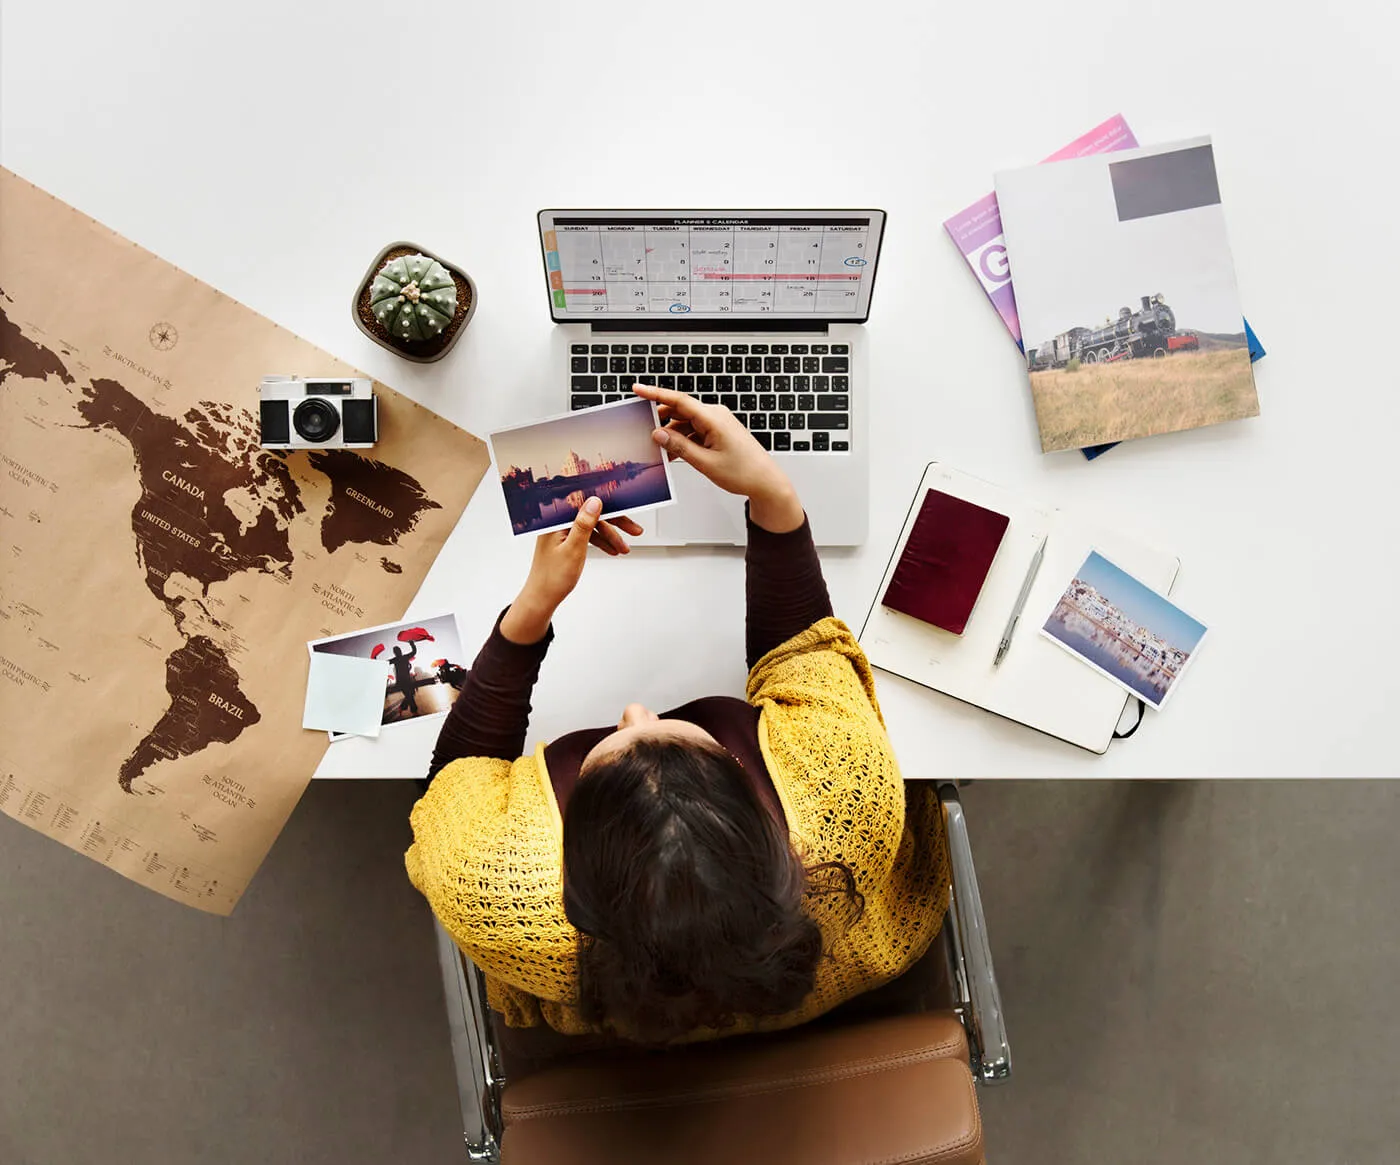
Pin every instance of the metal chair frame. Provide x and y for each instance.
(977, 1000)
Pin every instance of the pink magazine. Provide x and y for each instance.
(977, 230)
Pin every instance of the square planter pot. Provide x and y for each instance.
(419, 351)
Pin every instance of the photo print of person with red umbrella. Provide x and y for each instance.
(413, 686)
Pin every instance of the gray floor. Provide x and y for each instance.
(1199, 972)
(309, 1027)
(1192, 973)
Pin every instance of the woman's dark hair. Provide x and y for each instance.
(687, 895)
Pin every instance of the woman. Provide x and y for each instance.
(727, 866)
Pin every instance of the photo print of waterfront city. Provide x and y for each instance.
(1124, 630)
(548, 469)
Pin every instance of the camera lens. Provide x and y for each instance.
(315, 420)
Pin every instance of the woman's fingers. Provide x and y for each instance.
(684, 428)
(601, 540)
(677, 404)
(608, 538)
(670, 416)
(585, 525)
(694, 449)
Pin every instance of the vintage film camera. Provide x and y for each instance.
(318, 413)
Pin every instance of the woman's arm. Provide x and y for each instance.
(784, 587)
(492, 711)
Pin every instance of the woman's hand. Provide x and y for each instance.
(711, 439)
(557, 566)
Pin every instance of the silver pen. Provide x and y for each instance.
(1006, 635)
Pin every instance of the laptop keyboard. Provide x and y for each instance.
(794, 398)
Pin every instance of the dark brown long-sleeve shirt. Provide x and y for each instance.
(784, 595)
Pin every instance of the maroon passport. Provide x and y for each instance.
(946, 560)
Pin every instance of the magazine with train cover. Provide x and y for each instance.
(1126, 293)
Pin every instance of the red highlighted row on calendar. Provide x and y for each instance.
(785, 278)
(736, 277)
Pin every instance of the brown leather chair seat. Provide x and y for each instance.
(884, 1079)
(892, 1089)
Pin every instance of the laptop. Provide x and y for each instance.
(757, 310)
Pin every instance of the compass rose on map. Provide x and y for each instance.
(163, 336)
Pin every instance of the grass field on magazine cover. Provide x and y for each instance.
(1097, 403)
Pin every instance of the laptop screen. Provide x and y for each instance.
(710, 264)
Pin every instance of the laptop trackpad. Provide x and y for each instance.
(702, 513)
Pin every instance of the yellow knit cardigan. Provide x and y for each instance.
(488, 844)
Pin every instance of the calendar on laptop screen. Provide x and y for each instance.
(711, 264)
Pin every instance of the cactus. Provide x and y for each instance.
(413, 297)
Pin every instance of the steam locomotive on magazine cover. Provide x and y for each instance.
(1149, 332)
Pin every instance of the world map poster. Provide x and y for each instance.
(160, 572)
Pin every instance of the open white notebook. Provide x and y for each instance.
(1037, 684)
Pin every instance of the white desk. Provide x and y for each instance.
(273, 149)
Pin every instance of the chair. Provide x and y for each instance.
(857, 1085)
